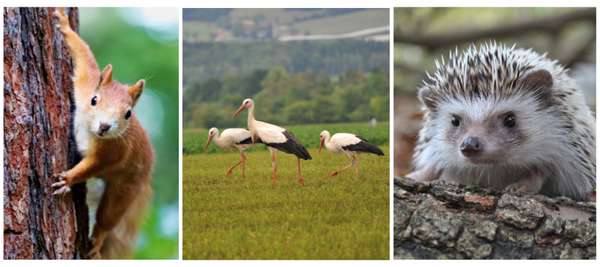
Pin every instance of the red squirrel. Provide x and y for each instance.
(114, 145)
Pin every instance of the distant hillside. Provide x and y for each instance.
(204, 14)
(271, 23)
(205, 60)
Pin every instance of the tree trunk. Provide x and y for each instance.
(435, 220)
(39, 141)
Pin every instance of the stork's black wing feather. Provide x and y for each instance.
(291, 146)
(245, 141)
(364, 146)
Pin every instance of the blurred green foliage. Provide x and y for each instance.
(285, 99)
(134, 55)
(412, 61)
(194, 140)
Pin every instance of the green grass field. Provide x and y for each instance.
(339, 217)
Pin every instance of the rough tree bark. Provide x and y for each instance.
(435, 220)
(38, 140)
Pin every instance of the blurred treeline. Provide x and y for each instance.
(204, 60)
(288, 99)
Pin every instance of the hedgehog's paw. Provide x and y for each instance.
(424, 175)
(530, 184)
(519, 187)
(591, 195)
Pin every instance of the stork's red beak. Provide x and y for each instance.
(208, 142)
(239, 110)
(321, 145)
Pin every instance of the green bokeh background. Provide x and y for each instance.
(134, 55)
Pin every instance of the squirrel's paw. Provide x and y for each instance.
(61, 15)
(94, 252)
(64, 188)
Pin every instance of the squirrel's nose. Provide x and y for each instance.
(103, 128)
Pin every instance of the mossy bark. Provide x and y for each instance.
(435, 220)
(39, 141)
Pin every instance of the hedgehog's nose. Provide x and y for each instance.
(471, 146)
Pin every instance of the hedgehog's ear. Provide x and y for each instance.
(135, 91)
(539, 82)
(427, 97)
(105, 76)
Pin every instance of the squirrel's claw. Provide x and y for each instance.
(64, 188)
(62, 191)
(94, 252)
(61, 15)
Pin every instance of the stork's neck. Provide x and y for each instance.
(217, 140)
(327, 137)
(251, 119)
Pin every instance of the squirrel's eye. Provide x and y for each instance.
(455, 121)
(128, 114)
(94, 100)
(510, 121)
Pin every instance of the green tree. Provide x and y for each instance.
(275, 82)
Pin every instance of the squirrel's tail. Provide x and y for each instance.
(122, 240)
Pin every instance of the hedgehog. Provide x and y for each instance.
(509, 118)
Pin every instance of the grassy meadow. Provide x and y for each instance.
(338, 217)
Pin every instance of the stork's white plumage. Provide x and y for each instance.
(232, 138)
(351, 144)
(275, 137)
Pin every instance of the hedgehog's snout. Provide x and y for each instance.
(471, 147)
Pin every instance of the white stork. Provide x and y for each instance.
(232, 138)
(275, 137)
(351, 144)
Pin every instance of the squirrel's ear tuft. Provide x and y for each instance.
(105, 76)
(135, 91)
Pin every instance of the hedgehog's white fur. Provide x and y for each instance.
(559, 140)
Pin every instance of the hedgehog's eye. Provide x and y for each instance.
(94, 100)
(455, 121)
(510, 121)
(128, 114)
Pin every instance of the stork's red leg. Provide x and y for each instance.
(336, 172)
(300, 176)
(356, 166)
(274, 168)
(243, 165)
(229, 171)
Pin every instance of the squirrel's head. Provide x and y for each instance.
(110, 109)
